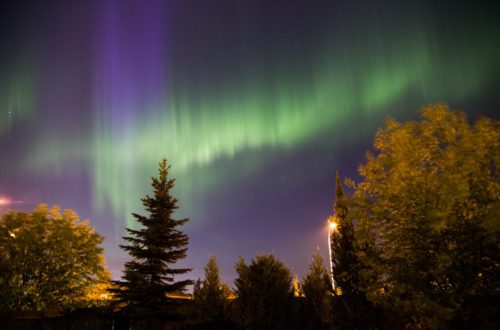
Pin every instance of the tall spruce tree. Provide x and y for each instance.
(345, 263)
(353, 310)
(154, 248)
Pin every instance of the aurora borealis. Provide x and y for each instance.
(254, 103)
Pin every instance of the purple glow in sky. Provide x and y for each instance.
(254, 103)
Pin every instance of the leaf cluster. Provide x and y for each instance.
(49, 261)
(427, 212)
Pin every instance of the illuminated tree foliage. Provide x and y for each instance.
(317, 288)
(154, 249)
(428, 208)
(211, 295)
(265, 292)
(49, 261)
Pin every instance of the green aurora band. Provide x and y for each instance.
(204, 134)
(17, 96)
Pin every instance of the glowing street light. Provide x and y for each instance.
(332, 227)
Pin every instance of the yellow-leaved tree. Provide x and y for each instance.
(427, 213)
(50, 261)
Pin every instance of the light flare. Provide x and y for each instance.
(5, 201)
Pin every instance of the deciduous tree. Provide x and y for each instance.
(49, 261)
(428, 208)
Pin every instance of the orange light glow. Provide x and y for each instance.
(4, 201)
(333, 225)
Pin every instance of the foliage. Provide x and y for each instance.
(154, 249)
(317, 289)
(49, 261)
(428, 210)
(264, 291)
(211, 295)
(345, 263)
(352, 308)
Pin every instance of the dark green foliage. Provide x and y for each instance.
(345, 263)
(154, 248)
(211, 296)
(469, 273)
(264, 294)
(352, 309)
(317, 289)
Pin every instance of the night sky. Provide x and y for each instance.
(254, 103)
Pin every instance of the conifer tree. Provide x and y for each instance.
(154, 248)
(345, 263)
(265, 293)
(352, 308)
(210, 294)
(317, 288)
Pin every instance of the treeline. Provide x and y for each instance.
(267, 297)
(414, 245)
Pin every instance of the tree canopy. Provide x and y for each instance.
(264, 290)
(154, 248)
(351, 308)
(211, 295)
(345, 263)
(49, 261)
(317, 288)
(427, 211)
